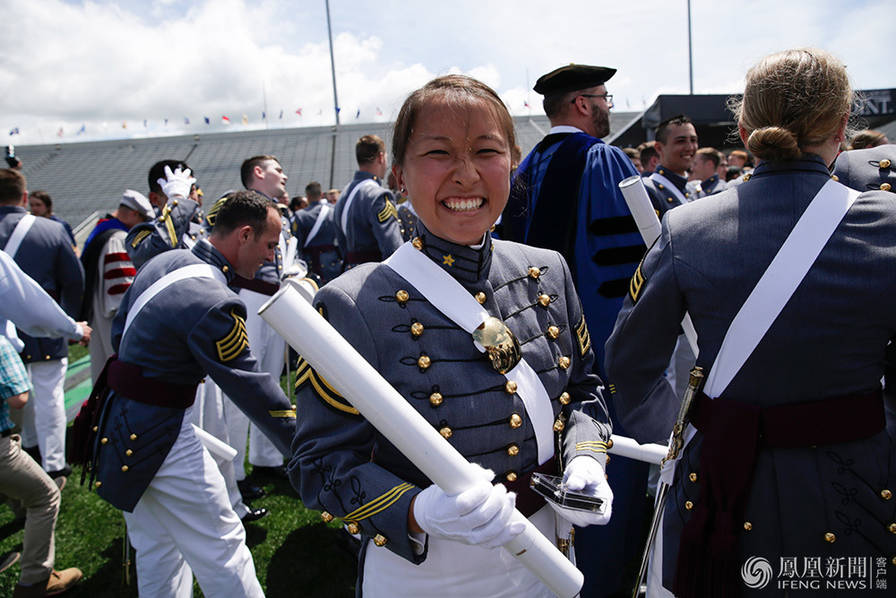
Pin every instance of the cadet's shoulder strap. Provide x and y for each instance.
(780, 280)
(18, 234)
(191, 271)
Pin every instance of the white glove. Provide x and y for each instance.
(585, 475)
(480, 515)
(177, 183)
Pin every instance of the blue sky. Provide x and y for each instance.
(104, 63)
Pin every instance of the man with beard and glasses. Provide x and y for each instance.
(565, 197)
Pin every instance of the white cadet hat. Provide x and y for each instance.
(138, 202)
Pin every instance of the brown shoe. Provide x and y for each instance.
(60, 581)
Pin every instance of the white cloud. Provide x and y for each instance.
(110, 61)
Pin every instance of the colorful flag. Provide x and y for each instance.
(526, 104)
(144, 123)
(124, 124)
(166, 122)
(225, 120)
(83, 129)
(186, 120)
(207, 121)
(59, 132)
(14, 131)
(281, 114)
(299, 111)
(264, 116)
(245, 119)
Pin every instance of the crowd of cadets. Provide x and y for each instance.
(326, 231)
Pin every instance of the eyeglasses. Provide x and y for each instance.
(607, 96)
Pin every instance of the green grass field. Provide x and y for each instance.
(295, 553)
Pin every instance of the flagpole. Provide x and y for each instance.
(264, 99)
(690, 52)
(335, 97)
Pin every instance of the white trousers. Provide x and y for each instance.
(269, 350)
(453, 569)
(184, 525)
(208, 414)
(43, 418)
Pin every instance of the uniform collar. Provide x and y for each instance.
(565, 129)
(678, 180)
(360, 175)
(462, 262)
(208, 254)
(12, 210)
(809, 162)
(710, 181)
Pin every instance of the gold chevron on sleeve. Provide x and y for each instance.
(138, 238)
(634, 287)
(388, 212)
(379, 504)
(595, 446)
(583, 336)
(236, 340)
(213, 212)
(306, 375)
(284, 413)
(169, 225)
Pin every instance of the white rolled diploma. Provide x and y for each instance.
(642, 210)
(290, 313)
(628, 447)
(216, 447)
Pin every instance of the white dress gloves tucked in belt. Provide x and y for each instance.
(480, 515)
(585, 475)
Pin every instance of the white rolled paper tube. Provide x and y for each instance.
(629, 447)
(640, 206)
(648, 224)
(290, 313)
(219, 449)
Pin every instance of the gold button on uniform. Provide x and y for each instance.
(379, 540)
(553, 331)
(563, 362)
(480, 297)
(513, 450)
(424, 362)
(417, 242)
(884, 163)
(748, 526)
(559, 425)
(124, 468)
(830, 538)
(564, 399)
(225, 268)
(353, 528)
(688, 505)
(610, 443)
(435, 399)
(544, 300)
(129, 452)
(692, 477)
(515, 421)
(326, 517)
(402, 297)
(97, 484)
(886, 187)
(416, 329)
(446, 432)
(511, 476)
(104, 440)
(886, 494)
(133, 437)
(892, 528)
(534, 272)
(510, 387)
(835, 177)
(96, 428)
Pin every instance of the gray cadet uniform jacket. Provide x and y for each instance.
(826, 500)
(344, 467)
(193, 328)
(46, 255)
(319, 251)
(661, 197)
(180, 224)
(372, 232)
